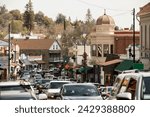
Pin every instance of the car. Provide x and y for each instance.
(132, 85)
(79, 91)
(18, 90)
(63, 78)
(48, 75)
(41, 82)
(38, 76)
(54, 88)
(105, 91)
(25, 76)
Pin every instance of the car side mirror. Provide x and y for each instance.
(124, 96)
(43, 96)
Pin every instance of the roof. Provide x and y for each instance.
(25, 61)
(144, 10)
(105, 19)
(35, 44)
(14, 83)
(40, 61)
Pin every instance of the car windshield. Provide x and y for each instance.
(57, 85)
(146, 88)
(80, 90)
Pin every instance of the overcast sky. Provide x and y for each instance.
(120, 10)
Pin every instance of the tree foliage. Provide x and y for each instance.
(39, 18)
(16, 26)
(60, 18)
(71, 31)
(28, 17)
(3, 9)
(16, 14)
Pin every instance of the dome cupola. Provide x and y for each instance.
(105, 19)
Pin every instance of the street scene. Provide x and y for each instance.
(66, 58)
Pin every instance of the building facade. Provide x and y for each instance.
(124, 38)
(44, 51)
(107, 40)
(144, 15)
(102, 39)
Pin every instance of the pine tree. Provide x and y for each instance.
(28, 17)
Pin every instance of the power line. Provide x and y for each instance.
(119, 14)
(94, 5)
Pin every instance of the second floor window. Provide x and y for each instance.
(53, 47)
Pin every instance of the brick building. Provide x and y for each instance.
(124, 38)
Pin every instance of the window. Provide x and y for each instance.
(141, 36)
(93, 50)
(145, 37)
(56, 47)
(131, 87)
(99, 50)
(106, 49)
(149, 37)
(111, 49)
(145, 88)
(53, 47)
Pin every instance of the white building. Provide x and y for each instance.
(144, 15)
(20, 36)
(102, 39)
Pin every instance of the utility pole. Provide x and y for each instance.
(85, 59)
(134, 35)
(9, 42)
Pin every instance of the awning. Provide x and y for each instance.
(125, 65)
(14, 64)
(40, 62)
(33, 62)
(25, 62)
(84, 69)
(110, 62)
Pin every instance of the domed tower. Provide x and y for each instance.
(105, 23)
(102, 39)
(105, 19)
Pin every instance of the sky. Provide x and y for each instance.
(120, 10)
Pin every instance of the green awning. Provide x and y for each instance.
(84, 69)
(138, 66)
(125, 65)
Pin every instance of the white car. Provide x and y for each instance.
(18, 90)
(54, 88)
(79, 91)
